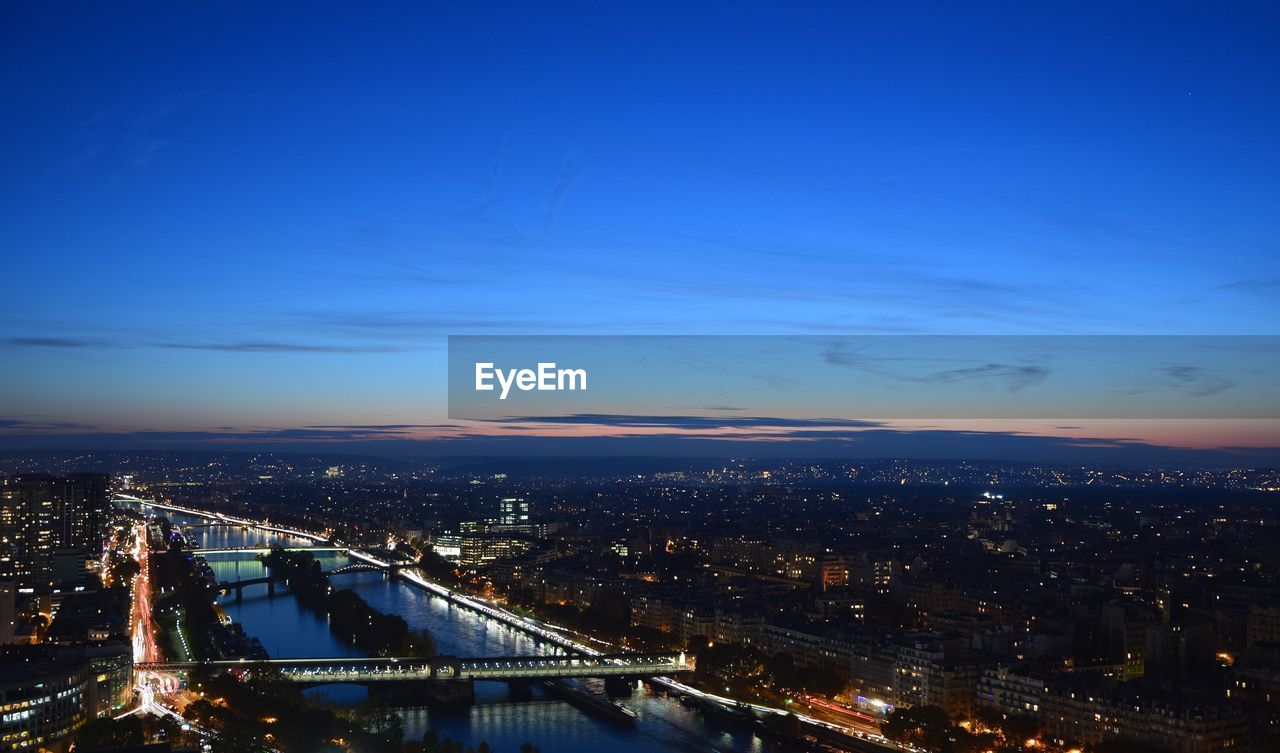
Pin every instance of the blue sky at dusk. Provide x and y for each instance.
(264, 221)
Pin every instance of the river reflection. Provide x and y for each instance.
(288, 630)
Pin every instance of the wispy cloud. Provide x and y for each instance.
(1252, 285)
(571, 173)
(124, 439)
(501, 155)
(1196, 381)
(249, 346)
(683, 437)
(419, 323)
(688, 422)
(55, 342)
(379, 427)
(281, 347)
(130, 139)
(27, 424)
(1015, 378)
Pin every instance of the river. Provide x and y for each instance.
(287, 630)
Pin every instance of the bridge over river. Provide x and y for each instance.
(402, 669)
(271, 579)
(267, 550)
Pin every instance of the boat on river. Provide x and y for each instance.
(588, 701)
(737, 714)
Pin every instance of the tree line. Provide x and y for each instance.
(351, 618)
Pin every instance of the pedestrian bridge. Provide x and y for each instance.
(401, 669)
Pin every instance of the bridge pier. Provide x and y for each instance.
(429, 692)
(239, 586)
(618, 686)
(449, 692)
(394, 693)
(520, 689)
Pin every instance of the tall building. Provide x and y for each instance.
(42, 516)
(27, 532)
(513, 512)
(82, 506)
(8, 610)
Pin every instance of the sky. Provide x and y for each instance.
(232, 224)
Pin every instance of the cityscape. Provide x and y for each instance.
(754, 377)
(209, 599)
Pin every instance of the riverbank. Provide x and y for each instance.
(350, 617)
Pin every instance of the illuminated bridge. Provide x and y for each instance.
(267, 549)
(270, 579)
(396, 669)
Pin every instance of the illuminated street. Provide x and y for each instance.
(143, 635)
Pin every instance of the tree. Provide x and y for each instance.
(1020, 727)
(1126, 746)
(438, 568)
(820, 681)
(432, 742)
(382, 724)
(267, 680)
(123, 570)
(110, 733)
(782, 668)
(609, 613)
(236, 739)
(926, 727)
(787, 724)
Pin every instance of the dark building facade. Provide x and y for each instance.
(47, 693)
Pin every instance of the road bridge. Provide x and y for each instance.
(271, 579)
(239, 585)
(267, 549)
(366, 567)
(450, 668)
